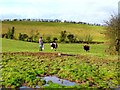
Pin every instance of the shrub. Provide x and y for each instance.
(10, 33)
(113, 34)
(48, 39)
(55, 38)
(4, 35)
(71, 37)
(30, 39)
(34, 35)
(63, 36)
(22, 36)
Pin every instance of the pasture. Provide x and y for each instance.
(22, 62)
(9, 45)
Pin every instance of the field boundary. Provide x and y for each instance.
(39, 53)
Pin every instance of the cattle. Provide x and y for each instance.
(86, 48)
(54, 45)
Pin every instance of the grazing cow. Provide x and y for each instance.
(86, 47)
(53, 45)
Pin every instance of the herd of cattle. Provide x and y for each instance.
(54, 46)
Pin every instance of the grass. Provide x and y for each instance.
(54, 29)
(96, 66)
(18, 46)
(87, 72)
(21, 46)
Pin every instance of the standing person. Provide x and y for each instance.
(41, 44)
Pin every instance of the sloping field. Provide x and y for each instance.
(53, 29)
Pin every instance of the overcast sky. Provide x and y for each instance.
(91, 11)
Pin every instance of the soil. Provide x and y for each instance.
(38, 53)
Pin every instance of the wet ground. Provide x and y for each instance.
(53, 79)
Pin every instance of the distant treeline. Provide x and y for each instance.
(52, 20)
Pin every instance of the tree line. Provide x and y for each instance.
(64, 37)
(52, 20)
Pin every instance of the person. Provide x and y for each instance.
(41, 44)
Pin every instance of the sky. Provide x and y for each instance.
(90, 11)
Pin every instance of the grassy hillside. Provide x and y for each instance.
(54, 29)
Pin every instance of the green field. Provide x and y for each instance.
(86, 71)
(53, 29)
(93, 69)
(21, 46)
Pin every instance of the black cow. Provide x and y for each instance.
(86, 47)
(54, 45)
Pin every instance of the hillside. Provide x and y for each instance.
(53, 29)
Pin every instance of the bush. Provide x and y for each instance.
(63, 36)
(113, 34)
(71, 38)
(55, 39)
(4, 35)
(34, 35)
(22, 36)
(10, 33)
(48, 39)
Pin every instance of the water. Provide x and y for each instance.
(25, 88)
(57, 80)
(54, 79)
